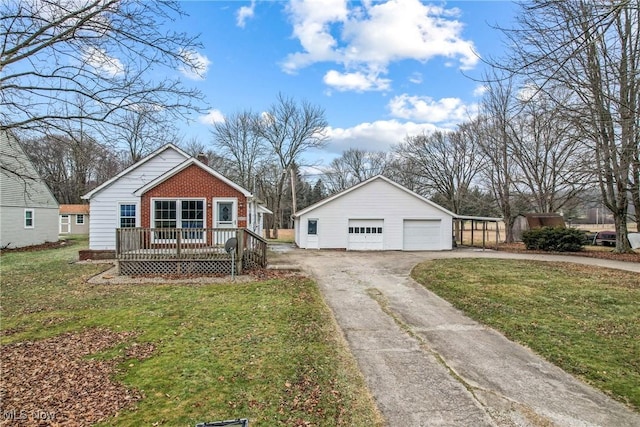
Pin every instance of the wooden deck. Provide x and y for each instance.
(152, 251)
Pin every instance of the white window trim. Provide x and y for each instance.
(83, 219)
(33, 219)
(137, 217)
(178, 201)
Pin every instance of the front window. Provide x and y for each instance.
(127, 216)
(80, 219)
(28, 218)
(179, 214)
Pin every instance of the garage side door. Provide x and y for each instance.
(421, 235)
(365, 235)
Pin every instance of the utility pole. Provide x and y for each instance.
(293, 191)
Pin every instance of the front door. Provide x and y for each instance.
(65, 224)
(225, 215)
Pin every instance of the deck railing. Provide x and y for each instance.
(192, 244)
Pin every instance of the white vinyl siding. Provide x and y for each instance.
(377, 199)
(24, 191)
(105, 204)
(14, 235)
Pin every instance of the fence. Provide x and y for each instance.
(187, 251)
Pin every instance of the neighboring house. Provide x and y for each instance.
(168, 189)
(74, 219)
(28, 209)
(376, 214)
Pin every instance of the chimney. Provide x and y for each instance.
(202, 158)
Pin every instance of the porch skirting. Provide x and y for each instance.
(175, 267)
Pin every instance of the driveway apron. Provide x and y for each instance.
(427, 364)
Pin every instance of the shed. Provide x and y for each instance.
(74, 219)
(376, 214)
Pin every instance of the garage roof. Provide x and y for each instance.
(362, 184)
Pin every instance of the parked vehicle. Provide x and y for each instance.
(605, 238)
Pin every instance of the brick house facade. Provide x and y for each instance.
(193, 182)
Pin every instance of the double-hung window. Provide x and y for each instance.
(79, 219)
(127, 215)
(179, 214)
(29, 218)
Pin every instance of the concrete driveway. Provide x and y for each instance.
(427, 364)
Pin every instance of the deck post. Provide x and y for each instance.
(117, 243)
(240, 250)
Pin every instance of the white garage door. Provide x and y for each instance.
(365, 235)
(420, 235)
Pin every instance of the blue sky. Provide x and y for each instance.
(381, 70)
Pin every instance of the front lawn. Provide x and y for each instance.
(585, 320)
(135, 355)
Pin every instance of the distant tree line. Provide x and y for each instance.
(559, 118)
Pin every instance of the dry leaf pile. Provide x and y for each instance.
(52, 382)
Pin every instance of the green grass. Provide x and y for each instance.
(585, 320)
(268, 351)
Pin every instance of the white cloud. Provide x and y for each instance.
(102, 62)
(380, 135)
(196, 66)
(370, 36)
(244, 13)
(480, 91)
(212, 117)
(415, 78)
(357, 81)
(445, 111)
(311, 26)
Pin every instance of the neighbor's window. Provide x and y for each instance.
(312, 226)
(80, 219)
(28, 218)
(127, 216)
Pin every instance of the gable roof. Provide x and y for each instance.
(182, 166)
(20, 183)
(133, 167)
(366, 182)
(74, 209)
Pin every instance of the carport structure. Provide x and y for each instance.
(461, 232)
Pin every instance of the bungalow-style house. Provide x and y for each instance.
(28, 209)
(376, 214)
(154, 202)
(74, 219)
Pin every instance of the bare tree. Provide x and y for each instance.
(591, 49)
(553, 163)
(447, 162)
(354, 166)
(237, 140)
(496, 143)
(290, 128)
(106, 53)
(141, 130)
(194, 147)
(72, 166)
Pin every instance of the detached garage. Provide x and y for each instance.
(376, 214)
